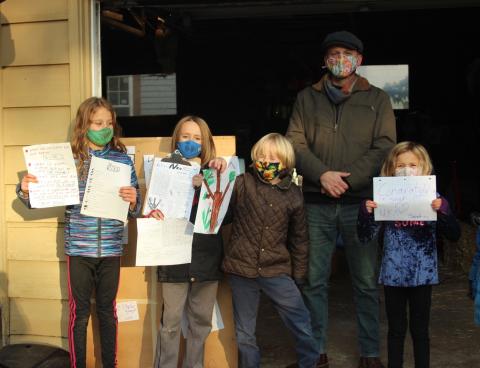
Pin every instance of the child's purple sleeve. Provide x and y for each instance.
(367, 227)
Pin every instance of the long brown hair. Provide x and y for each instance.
(82, 123)
(208, 146)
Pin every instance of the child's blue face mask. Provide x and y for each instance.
(189, 149)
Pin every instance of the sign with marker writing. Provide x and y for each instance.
(170, 189)
(54, 167)
(101, 198)
(404, 198)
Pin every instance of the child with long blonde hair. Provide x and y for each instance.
(93, 245)
(190, 287)
(409, 265)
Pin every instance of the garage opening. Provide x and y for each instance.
(239, 65)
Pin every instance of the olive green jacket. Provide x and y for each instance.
(354, 136)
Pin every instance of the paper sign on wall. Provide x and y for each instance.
(127, 311)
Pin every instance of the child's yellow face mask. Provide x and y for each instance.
(268, 170)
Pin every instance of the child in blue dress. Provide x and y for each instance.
(409, 264)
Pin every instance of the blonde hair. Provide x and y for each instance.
(80, 142)
(278, 145)
(208, 146)
(388, 168)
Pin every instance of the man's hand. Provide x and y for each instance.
(333, 183)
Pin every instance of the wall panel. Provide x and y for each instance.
(14, 11)
(35, 43)
(35, 243)
(36, 125)
(36, 86)
(36, 279)
(38, 317)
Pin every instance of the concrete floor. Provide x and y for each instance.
(455, 340)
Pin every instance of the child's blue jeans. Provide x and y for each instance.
(286, 298)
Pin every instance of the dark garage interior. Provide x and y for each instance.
(239, 65)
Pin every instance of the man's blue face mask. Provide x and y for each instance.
(189, 149)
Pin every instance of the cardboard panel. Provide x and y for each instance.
(33, 10)
(38, 317)
(221, 346)
(35, 243)
(16, 211)
(35, 43)
(36, 125)
(36, 86)
(37, 279)
(136, 282)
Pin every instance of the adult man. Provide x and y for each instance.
(342, 128)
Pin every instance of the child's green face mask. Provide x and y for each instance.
(100, 137)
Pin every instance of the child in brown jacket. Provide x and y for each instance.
(268, 250)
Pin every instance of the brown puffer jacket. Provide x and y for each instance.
(269, 233)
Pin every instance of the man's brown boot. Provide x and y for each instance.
(370, 362)
(322, 361)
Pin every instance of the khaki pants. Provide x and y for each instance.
(197, 299)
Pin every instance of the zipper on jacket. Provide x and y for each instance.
(99, 237)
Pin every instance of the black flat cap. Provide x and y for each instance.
(342, 38)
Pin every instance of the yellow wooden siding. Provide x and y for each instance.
(38, 317)
(45, 76)
(16, 211)
(14, 11)
(35, 243)
(14, 164)
(36, 86)
(36, 125)
(35, 43)
(29, 339)
(37, 279)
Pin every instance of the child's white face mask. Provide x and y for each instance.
(407, 171)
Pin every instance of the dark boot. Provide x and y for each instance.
(322, 361)
(370, 362)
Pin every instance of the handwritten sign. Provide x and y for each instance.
(163, 242)
(127, 311)
(404, 198)
(101, 198)
(215, 195)
(171, 189)
(54, 167)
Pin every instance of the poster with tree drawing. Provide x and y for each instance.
(214, 196)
